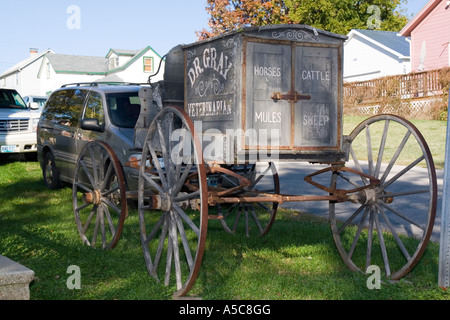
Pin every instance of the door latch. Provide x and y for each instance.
(290, 96)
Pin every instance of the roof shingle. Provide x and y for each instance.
(390, 39)
(72, 63)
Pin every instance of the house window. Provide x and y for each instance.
(148, 64)
(113, 62)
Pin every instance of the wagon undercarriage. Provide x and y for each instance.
(174, 197)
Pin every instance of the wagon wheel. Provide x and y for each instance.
(254, 217)
(403, 202)
(172, 200)
(99, 196)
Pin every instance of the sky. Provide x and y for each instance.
(81, 27)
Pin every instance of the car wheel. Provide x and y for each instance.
(50, 172)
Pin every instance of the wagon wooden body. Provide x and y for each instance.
(211, 132)
(279, 86)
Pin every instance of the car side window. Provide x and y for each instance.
(124, 108)
(94, 108)
(51, 109)
(74, 105)
(64, 107)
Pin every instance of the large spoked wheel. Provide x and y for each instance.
(253, 218)
(99, 196)
(172, 200)
(370, 231)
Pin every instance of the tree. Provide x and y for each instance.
(339, 16)
(228, 15)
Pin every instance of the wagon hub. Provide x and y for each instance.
(165, 202)
(93, 197)
(368, 197)
(371, 196)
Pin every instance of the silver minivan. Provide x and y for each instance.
(77, 114)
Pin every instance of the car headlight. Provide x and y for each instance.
(35, 124)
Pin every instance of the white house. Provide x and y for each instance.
(21, 75)
(133, 65)
(370, 54)
(44, 72)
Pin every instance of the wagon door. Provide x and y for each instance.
(268, 70)
(316, 118)
(292, 88)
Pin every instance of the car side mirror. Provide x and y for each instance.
(91, 124)
(33, 105)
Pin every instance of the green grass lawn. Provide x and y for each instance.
(434, 133)
(296, 260)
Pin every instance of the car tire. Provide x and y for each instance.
(50, 172)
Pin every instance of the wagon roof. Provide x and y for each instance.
(274, 28)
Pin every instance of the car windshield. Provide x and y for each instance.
(11, 99)
(40, 101)
(124, 108)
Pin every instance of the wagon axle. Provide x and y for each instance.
(367, 195)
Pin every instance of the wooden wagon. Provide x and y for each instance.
(209, 137)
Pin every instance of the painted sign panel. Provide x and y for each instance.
(210, 81)
(316, 73)
(268, 68)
